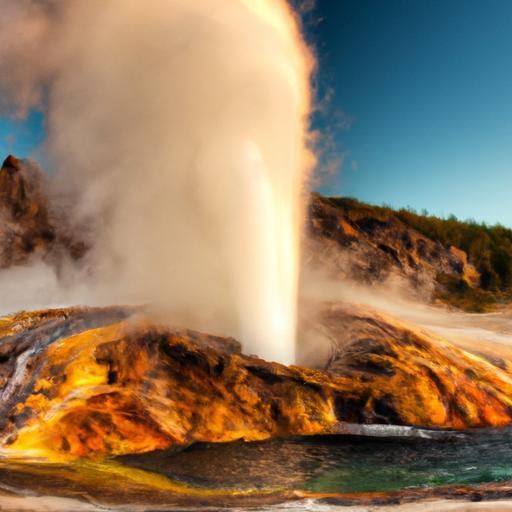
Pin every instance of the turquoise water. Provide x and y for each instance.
(340, 464)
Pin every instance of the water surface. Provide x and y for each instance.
(340, 464)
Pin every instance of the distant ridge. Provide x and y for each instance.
(463, 264)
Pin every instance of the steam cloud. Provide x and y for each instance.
(180, 130)
(396, 298)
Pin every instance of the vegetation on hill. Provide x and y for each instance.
(489, 249)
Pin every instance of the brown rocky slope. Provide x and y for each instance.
(346, 239)
(349, 239)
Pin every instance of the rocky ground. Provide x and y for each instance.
(82, 382)
(89, 383)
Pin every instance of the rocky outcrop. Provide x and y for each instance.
(351, 240)
(29, 227)
(128, 387)
(25, 228)
(398, 374)
(83, 382)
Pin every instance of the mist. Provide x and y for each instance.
(398, 298)
(178, 139)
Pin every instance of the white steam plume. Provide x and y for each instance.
(180, 129)
(396, 297)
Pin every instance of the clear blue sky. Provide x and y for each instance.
(21, 137)
(422, 104)
(427, 88)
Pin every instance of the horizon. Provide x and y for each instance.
(421, 212)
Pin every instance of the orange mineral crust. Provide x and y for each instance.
(96, 382)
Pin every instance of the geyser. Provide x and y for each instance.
(180, 130)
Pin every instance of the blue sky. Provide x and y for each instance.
(421, 108)
(426, 87)
(21, 137)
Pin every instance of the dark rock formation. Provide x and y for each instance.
(353, 242)
(398, 374)
(25, 227)
(29, 227)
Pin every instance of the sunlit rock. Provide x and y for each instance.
(84, 382)
(357, 241)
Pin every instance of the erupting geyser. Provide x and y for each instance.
(180, 129)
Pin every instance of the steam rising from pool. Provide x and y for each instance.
(180, 130)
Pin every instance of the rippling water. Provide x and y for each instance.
(325, 469)
(340, 464)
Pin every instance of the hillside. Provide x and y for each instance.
(463, 264)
